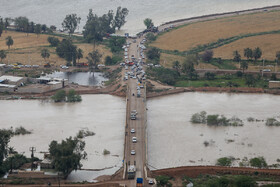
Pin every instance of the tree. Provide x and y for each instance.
(116, 43)
(248, 53)
(151, 37)
(257, 53)
(53, 41)
(72, 96)
(163, 181)
(70, 23)
(108, 61)
(22, 24)
(59, 96)
(7, 23)
(93, 58)
(244, 181)
(1, 26)
(93, 31)
(5, 136)
(154, 54)
(236, 56)
(224, 161)
(45, 54)
(250, 80)
(207, 55)
(44, 28)
(3, 55)
(79, 54)
(9, 41)
(188, 64)
(244, 65)
(148, 23)
(53, 28)
(67, 50)
(277, 56)
(67, 155)
(120, 17)
(176, 65)
(258, 162)
(38, 29)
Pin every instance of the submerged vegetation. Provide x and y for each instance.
(215, 120)
(71, 96)
(84, 133)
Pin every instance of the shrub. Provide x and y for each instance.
(106, 152)
(250, 119)
(53, 41)
(108, 61)
(21, 131)
(72, 96)
(151, 37)
(82, 134)
(258, 162)
(239, 74)
(272, 122)
(224, 161)
(210, 75)
(59, 96)
(199, 117)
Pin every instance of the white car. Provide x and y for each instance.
(134, 139)
(151, 181)
(100, 65)
(133, 152)
(266, 70)
(132, 131)
(64, 67)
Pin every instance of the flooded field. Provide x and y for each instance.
(81, 78)
(102, 114)
(174, 141)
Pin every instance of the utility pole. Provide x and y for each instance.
(263, 66)
(32, 149)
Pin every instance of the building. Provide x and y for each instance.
(12, 80)
(274, 84)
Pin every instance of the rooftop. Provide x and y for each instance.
(7, 86)
(11, 78)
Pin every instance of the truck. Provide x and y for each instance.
(139, 182)
(131, 172)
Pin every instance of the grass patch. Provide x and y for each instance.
(219, 82)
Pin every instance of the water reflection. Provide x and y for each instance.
(81, 78)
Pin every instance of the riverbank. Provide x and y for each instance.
(180, 22)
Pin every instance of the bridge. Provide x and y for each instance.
(139, 160)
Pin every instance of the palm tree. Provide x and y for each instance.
(93, 58)
(248, 53)
(79, 54)
(236, 57)
(244, 65)
(9, 41)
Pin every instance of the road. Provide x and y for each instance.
(138, 104)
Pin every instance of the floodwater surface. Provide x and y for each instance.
(52, 12)
(102, 114)
(174, 141)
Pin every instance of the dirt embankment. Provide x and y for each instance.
(213, 89)
(194, 171)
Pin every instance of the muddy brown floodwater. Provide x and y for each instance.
(174, 141)
(102, 114)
